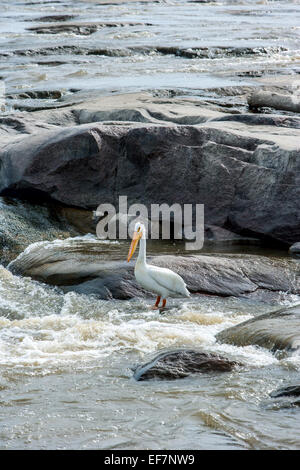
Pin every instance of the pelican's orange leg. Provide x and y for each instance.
(156, 303)
(164, 303)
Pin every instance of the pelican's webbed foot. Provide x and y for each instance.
(156, 306)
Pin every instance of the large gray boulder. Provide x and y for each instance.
(278, 330)
(247, 178)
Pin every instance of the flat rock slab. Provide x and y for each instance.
(284, 398)
(279, 330)
(79, 264)
(178, 364)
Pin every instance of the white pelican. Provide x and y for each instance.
(162, 281)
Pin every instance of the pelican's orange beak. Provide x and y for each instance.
(135, 239)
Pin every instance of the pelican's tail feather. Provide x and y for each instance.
(185, 292)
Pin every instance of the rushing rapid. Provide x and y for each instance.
(66, 374)
(171, 47)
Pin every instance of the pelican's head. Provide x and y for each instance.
(139, 232)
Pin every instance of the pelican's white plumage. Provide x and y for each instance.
(161, 281)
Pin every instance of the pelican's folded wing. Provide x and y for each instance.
(169, 280)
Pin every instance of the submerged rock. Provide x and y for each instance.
(290, 391)
(284, 398)
(51, 18)
(81, 264)
(278, 330)
(178, 364)
(81, 28)
(37, 94)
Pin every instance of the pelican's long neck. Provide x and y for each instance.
(142, 251)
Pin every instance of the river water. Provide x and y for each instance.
(65, 359)
(176, 46)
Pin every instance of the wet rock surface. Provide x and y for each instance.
(233, 274)
(81, 265)
(89, 28)
(277, 331)
(179, 364)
